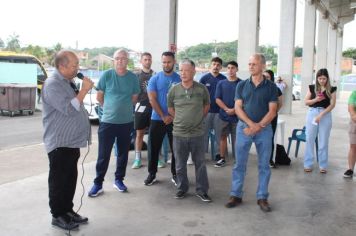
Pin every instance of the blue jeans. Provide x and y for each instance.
(107, 134)
(263, 143)
(323, 131)
(211, 122)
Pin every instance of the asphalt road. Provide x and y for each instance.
(24, 130)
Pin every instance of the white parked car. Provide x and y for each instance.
(90, 101)
(297, 88)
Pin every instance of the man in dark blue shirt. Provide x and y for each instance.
(255, 106)
(210, 80)
(225, 98)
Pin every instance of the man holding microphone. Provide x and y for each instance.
(66, 130)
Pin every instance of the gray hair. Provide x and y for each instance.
(121, 50)
(260, 57)
(189, 62)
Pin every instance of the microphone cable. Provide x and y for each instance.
(82, 184)
(82, 165)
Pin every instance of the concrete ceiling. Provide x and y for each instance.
(339, 12)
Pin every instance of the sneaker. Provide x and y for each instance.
(349, 173)
(272, 164)
(161, 164)
(180, 194)
(169, 161)
(96, 190)
(137, 164)
(150, 180)
(64, 222)
(220, 163)
(204, 197)
(217, 157)
(190, 161)
(174, 179)
(76, 218)
(119, 185)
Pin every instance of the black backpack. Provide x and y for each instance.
(281, 156)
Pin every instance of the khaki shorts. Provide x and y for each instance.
(352, 132)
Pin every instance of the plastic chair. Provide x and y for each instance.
(299, 136)
(212, 143)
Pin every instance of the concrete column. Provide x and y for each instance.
(286, 49)
(249, 14)
(160, 29)
(308, 47)
(337, 73)
(321, 50)
(331, 58)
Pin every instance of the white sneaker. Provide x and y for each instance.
(190, 161)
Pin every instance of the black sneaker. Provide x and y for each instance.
(220, 163)
(77, 218)
(150, 180)
(349, 173)
(174, 180)
(204, 197)
(217, 157)
(180, 194)
(64, 222)
(272, 164)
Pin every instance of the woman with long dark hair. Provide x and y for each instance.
(268, 74)
(321, 98)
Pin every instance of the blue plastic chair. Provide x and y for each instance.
(299, 136)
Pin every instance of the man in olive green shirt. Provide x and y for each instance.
(188, 103)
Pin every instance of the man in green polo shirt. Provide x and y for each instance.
(188, 103)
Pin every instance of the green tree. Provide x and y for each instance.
(2, 44)
(268, 52)
(51, 53)
(13, 43)
(298, 51)
(202, 53)
(350, 52)
(36, 51)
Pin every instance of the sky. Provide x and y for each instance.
(119, 23)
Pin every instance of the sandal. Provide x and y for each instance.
(307, 170)
(323, 171)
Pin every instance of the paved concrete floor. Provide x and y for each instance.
(303, 204)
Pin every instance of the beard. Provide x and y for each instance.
(168, 70)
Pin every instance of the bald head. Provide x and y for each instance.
(67, 63)
(63, 57)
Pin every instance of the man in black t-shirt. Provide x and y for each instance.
(143, 107)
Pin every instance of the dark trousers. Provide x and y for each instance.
(106, 134)
(274, 127)
(62, 179)
(156, 134)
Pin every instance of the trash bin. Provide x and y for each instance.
(16, 98)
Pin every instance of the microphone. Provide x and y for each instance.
(81, 76)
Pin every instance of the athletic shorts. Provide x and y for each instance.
(142, 117)
(225, 127)
(352, 132)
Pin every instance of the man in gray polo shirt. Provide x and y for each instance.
(255, 106)
(66, 129)
(189, 102)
